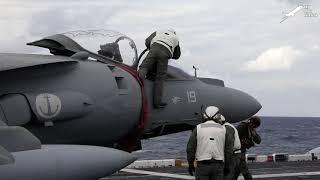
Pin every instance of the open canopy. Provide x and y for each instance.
(103, 45)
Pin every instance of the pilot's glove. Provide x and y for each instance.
(191, 169)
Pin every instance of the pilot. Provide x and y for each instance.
(207, 145)
(111, 50)
(234, 141)
(248, 137)
(162, 45)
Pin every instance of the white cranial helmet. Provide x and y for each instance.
(210, 112)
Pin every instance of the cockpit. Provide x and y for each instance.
(106, 46)
(113, 45)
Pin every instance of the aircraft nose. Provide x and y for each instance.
(242, 105)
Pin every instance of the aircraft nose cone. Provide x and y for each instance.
(242, 105)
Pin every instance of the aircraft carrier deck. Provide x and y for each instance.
(294, 170)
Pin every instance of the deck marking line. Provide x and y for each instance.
(177, 176)
(287, 174)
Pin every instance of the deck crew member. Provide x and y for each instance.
(248, 138)
(206, 145)
(162, 45)
(234, 140)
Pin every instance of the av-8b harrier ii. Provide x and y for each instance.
(81, 97)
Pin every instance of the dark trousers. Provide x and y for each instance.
(156, 61)
(209, 170)
(232, 167)
(242, 167)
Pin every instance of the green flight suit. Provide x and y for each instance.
(157, 61)
(248, 138)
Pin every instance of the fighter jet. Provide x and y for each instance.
(95, 97)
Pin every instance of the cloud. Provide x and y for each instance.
(217, 37)
(281, 58)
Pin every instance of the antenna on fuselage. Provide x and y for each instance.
(195, 71)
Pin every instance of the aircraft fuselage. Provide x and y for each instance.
(69, 101)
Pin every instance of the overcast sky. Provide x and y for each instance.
(241, 42)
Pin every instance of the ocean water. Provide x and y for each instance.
(293, 135)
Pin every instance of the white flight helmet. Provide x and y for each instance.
(210, 112)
